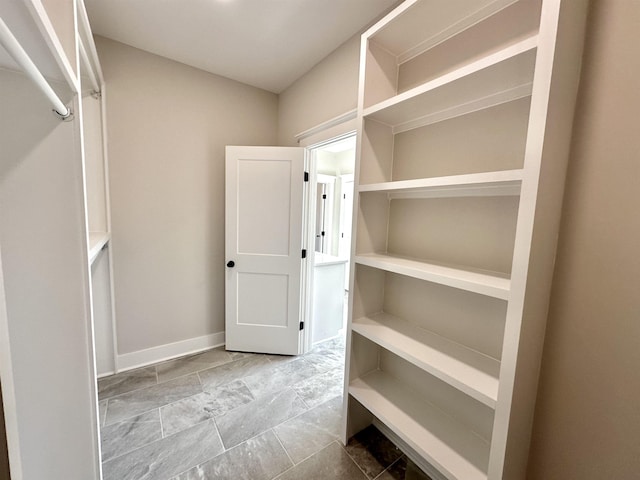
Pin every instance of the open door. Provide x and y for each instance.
(263, 247)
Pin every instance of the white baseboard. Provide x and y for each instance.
(142, 358)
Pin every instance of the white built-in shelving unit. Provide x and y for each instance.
(55, 284)
(464, 113)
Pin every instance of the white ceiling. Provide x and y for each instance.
(265, 43)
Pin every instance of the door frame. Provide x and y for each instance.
(309, 221)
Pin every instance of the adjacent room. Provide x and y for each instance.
(319, 239)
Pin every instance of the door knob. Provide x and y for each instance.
(231, 264)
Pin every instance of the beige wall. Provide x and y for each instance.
(168, 127)
(587, 423)
(329, 89)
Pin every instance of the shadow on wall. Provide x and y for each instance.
(4, 456)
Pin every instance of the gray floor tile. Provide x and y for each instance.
(403, 469)
(203, 406)
(325, 361)
(168, 457)
(123, 437)
(330, 463)
(280, 376)
(184, 366)
(140, 401)
(396, 471)
(372, 451)
(102, 411)
(258, 416)
(311, 431)
(239, 355)
(282, 358)
(233, 371)
(126, 382)
(259, 458)
(320, 388)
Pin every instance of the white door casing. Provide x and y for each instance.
(263, 239)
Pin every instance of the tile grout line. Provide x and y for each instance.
(275, 434)
(354, 461)
(161, 424)
(158, 382)
(389, 467)
(162, 438)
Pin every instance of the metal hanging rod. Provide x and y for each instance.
(13, 48)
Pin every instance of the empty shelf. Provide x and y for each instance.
(415, 30)
(506, 182)
(498, 78)
(492, 285)
(446, 443)
(469, 371)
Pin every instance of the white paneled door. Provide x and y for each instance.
(263, 247)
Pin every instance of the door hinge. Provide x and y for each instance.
(306, 176)
(301, 325)
(304, 253)
(322, 233)
(324, 196)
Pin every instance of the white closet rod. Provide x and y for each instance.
(13, 48)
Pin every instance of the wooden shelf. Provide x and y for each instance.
(504, 76)
(469, 371)
(485, 283)
(507, 182)
(447, 444)
(410, 34)
(97, 240)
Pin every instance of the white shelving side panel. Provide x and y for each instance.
(495, 79)
(448, 445)
(506, 182)
(467, 370)
(97, 240)
(485, 283)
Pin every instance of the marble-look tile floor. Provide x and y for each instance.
(229, 415)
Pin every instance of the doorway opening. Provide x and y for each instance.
(330, 207)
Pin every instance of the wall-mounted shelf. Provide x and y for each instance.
(499, 183)
(499, 78)
(472, 372)
(444, 442)
(491, 285)
(416, 30)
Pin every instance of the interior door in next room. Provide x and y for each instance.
(263, 245)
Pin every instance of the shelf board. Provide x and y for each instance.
(97, 240)
(448, 445)
(506, 182)
(485, 283)
(413, 28)
(502, 77)
(469, 371)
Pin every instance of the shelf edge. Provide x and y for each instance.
(448, 277)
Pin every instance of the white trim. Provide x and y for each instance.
(141, 358)
(332, 122)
